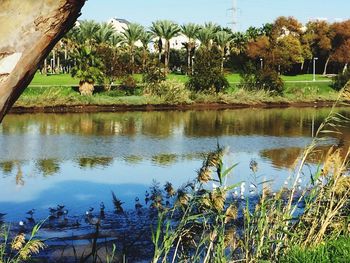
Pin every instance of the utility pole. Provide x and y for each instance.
(234, 21)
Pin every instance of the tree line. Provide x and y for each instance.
(96, 53)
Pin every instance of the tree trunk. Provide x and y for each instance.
(160, 49)
(86, 88)
(58, 63)
(326, 66)
(222, 60)
(53, 69)
(188, 59)
(166, 57)
(45, 66)
(27, 40)
(132, 60)
(345, 67)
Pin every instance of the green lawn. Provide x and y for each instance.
(54, 80)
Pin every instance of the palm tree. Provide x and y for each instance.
(165, 29)
(157, 31)
(145, 39)
(131, 35)
(104, 33)
(170, 30)
(116, 39)
(87, 32)
(222, 41)
(239, 42)
(205, 36)
(190, 31)
(87, 68)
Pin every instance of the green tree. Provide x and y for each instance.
(190, 31)
(131, 35)
(222, 41)
(87, 32)
(104, 33)
(206, 35)
(157, 31)
(146, 39)
(207, 75)
(87, 68)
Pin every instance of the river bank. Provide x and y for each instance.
(90, 108)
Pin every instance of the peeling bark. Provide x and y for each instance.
(29, 30)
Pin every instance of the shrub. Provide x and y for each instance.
(263, 79)
(207, 75)
(128, 85)
(341, 79)
(169, 91)
(153, 73)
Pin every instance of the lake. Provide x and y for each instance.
(77, 160)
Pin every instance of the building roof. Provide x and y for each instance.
(121, 20)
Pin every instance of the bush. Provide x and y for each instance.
(263, 79)
(207, 75)
(129, 85)
(340, 80)
(153, 73)
(169, 91)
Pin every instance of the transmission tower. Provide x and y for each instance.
(234, 11)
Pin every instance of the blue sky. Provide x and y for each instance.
(250, 12)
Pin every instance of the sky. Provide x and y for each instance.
(249, 12)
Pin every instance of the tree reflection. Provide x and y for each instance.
(19, 175)
(48, 166)
(133, 159)
(7, 167)
(91, 162)
(165, 159)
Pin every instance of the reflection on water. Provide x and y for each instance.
(77, 159)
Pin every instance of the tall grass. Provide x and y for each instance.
(19, 248)
(205, 225)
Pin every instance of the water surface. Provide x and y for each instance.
(78, 159)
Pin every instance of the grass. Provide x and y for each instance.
(60, 90)
(330, 251)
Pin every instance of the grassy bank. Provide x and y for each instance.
(61, 90)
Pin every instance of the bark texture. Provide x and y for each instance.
(29, 29)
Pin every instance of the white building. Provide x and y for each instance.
(119, 24)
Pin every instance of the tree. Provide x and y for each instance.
(87, 32)
(146, 39)
(207, 75)
(222, 41)
(157, 31)
(165, 29)
(318, 34)
(104, 33)
(28, 39)
(112, 64)
(206, 35)
(131, 35)
(190, 31)
(87, 68)
(341, 43)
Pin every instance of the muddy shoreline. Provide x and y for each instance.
(165, 107)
